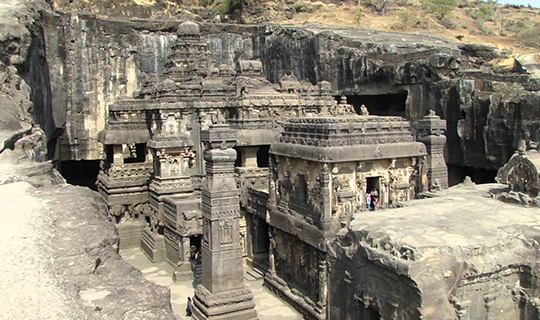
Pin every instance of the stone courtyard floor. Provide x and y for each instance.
(268, 306)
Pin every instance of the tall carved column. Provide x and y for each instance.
(431, 132)
(222, 294)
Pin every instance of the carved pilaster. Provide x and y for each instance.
(430, 131)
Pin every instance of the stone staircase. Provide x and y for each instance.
(256, 273)
(197, 272)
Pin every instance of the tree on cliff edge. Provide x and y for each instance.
(442, 8)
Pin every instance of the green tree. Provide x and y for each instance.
(442, 8)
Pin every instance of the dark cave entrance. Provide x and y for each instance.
(80, 173)
(456, 174)
(381, 104)
(367, 312)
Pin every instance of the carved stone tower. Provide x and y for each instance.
(222, 294)
(431, 132)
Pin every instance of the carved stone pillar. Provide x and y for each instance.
(249, 157)
(183, 269)
(431, 132)
(118, 154)
(222, 294)
(322, 282)
(326, 214)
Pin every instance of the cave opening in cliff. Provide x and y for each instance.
(380, 104)
(80, 173)
(456, 174)
(367, 312)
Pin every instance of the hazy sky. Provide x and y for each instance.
(534, 3)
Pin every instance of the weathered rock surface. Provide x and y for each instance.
(459, 254)
(60, 253)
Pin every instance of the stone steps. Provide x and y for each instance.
(256, 273)
(197, 272)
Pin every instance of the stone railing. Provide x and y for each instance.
(127, 173)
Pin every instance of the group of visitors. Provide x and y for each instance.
(372, 199)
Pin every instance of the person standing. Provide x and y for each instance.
(189, 308)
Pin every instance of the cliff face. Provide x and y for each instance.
(92, 62)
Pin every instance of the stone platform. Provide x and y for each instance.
(130, 233)
(153, 245)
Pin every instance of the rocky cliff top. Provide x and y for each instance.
(463, 223)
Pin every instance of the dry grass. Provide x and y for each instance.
(421, 21)
(465, 27)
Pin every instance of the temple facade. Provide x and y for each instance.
(305, 163)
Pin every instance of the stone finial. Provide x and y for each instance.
(343, 100)
(188, 28)
(522, 147)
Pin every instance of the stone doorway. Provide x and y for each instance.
(195, 246)
(371, 184)
(257, 241)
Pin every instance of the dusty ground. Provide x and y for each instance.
(59, 252)
(268, 306)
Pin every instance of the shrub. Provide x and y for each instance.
(231, 6)
(406, 17)
(359, 15)
(442, 8)
(447, 23)
(529, 36)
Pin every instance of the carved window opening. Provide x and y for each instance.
(195, 245)
(238, 161)
(263, 156)
(109, 153)
(137, 153)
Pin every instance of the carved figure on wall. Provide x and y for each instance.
(360, 188)
(271, 250)
(217, 118)
(226, 232)
(117, 211)
(364, 110)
